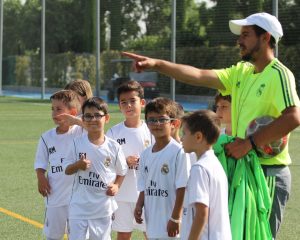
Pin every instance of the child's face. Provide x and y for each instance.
(188, 139)
(94, 120)
(160, 125)
(131, 104)
(58, 107)
(223, 110)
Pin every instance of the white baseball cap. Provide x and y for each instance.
(264, 20)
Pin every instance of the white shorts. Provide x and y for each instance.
(56, 221)
(124, 220)
(99, 229)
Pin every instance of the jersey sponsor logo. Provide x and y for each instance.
(121, 141)
(164, 169)
(152, 190)
(260, 90)
(146, 169)
(92, 181)
(51, 150)
(61, 160)
(56, 169)
(107, 162)
(82, 154)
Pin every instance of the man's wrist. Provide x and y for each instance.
(253, 145)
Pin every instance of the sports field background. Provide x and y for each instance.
(21, 207)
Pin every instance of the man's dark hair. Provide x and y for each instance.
(204, 121)
(259, 31)
(96, 102)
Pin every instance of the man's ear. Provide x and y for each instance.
(267, 37)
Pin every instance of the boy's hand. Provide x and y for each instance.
(112, 189)
(132, 161)
(83, 163)
(173, 228)
(43, 186)
(138, 214)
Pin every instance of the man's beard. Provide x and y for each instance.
(249, 56)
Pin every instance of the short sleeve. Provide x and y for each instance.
(71, 156)
(121, 165)
(41, 157)
(285, 92)
(198, 186)
(141, 174)
(183, 166)
(224, 76)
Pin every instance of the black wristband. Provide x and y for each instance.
(254, 147)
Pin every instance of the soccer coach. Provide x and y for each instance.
(260, 85)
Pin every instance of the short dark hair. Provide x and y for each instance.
(96, 102)
(219, 97)
(161, 105)
(68, 97)
(130, 86)
(259, 31)
(204, 121)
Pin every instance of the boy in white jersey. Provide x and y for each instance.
(99, 166)
(206, 199)
(163, 174)
(51, 152)
(134, 136)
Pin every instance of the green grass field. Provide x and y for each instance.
(21, 207)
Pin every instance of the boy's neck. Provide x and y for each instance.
(96, 138)
(160, 143)
(133, 122)
(201, 150)
(62, 129)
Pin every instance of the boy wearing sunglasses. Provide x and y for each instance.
(99, 166)
(163, 175)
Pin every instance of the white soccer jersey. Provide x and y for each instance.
(207, 184)
(161, 173)
(89, 199)
(133, 141)
(51, 153)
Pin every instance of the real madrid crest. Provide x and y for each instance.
(107, 162)
(146, 143)
(164, 169)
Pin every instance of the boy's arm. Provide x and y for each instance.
(70, 119)
(139, 208)
(175, 220)
(113, 188)
(82, 164)
(43, 183)
(199, 221)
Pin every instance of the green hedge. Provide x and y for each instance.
(62, 68)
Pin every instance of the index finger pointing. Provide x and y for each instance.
(133, 56)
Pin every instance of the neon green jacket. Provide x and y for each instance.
(249, 200)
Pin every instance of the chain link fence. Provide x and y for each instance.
(203, 39)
